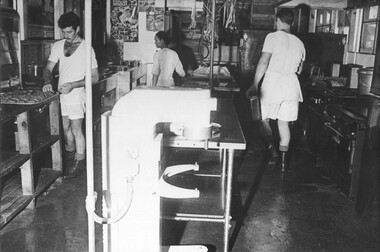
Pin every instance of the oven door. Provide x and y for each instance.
(338, 158)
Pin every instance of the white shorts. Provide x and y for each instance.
(73, 104)
(285, 111)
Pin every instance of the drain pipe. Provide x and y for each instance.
(91, 196)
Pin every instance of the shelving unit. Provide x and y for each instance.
(22, 180)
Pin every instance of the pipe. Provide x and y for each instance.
(212, 45)
(91, 196)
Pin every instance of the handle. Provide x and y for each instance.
(328, 125)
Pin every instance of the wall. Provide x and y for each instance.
(145, 48)
(366, 60)
(321, 4)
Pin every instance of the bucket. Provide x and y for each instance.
(365, 80)
(255, 107)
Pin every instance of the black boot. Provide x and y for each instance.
(78, 167)
(284, 161)
(68, 161)
(273, 155)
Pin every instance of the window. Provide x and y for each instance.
(369, 30)
(323, 21)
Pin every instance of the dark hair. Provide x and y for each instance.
(69, 19)
(286, 16)
(161, 35)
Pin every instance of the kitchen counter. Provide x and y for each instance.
(220, 83)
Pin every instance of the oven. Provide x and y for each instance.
(334, 131)
(317, 98)
(343, 131)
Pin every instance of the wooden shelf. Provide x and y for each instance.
(13, 200)
(48, 141)
(21, 187)
(10, 161)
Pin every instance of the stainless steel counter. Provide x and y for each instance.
(220, 83)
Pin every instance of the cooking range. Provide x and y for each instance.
(336, 122)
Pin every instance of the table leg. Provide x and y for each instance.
(224, 172)
(227, 216)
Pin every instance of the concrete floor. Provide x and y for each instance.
(296, 211)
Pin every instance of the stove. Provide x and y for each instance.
(343, 132)
(335, 133)
(319, 97)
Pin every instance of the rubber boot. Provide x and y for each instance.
(78, 167)
(273, 155)
(69, 161)
(284, 161)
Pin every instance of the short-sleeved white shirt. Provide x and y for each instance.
(287, 52)
(280, 91)
(72, 68)
(165, 62)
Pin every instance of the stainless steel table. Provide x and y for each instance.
(214, 180)
(220, 83)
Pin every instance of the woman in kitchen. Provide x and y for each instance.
(165, 62)
(280, 62)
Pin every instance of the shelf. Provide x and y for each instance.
(23, 186)
(210, 203)
(208, 180)
(13, 201)
(42, 145)
(46, 177)
(10, 161)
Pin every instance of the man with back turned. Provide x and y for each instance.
(281, 61)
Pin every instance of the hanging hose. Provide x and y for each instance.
(229, 10)
(122, 213)
(193, 23)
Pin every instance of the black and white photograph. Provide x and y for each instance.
(189, 126)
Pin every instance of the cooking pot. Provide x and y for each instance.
(195, 131)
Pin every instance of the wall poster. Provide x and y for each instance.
(124, 20)
(155, 19)
(145, 4)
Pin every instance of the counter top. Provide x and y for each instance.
(231, 134)
(9, 111)
(227, 84)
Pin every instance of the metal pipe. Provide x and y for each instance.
(212, 44)
(227, 216)
(91, 197)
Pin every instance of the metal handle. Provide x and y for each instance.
(328, 125)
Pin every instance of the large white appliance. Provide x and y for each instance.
(131, 153)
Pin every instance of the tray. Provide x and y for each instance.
(25, 97)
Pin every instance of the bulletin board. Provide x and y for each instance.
(124, 20)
